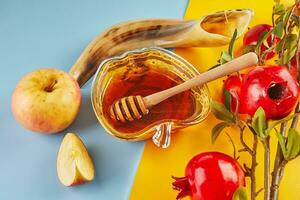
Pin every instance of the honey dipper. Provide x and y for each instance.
(134, 107)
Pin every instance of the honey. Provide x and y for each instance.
(143, 80)
(144, 72)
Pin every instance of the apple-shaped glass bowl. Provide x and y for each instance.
(160, 131)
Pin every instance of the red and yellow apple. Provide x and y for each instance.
(46, 100)
(74, 164)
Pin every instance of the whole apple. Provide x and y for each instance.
(46, 100)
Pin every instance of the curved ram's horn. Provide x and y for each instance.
(212, 30)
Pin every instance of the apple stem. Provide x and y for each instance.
(50, 88)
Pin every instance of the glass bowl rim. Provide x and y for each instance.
(145, 134)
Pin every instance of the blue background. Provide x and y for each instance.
(36, 34)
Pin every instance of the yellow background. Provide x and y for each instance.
(153, 178)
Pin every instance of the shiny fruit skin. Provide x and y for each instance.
(46, 100)
(233, 85)
(253, 34)
(271, 87)
(211, 176)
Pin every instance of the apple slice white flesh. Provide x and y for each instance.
(74, 164)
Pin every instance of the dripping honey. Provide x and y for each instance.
(141, 80)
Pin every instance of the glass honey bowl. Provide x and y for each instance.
(143, 72)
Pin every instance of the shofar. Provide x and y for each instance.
(215, 29)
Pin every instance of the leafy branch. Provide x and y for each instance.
(227, 56)
(286, 27)
(286, 23)
(228, 118)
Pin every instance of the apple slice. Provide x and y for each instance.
(74, 164)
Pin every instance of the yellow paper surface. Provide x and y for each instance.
(153, 178)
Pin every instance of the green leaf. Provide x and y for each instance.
(295, 18)
(230, 47)
(282, 144)
(290, 47)
(276, 1)
(278, 29)
(287, 14)
(288, 55)
(227, 99)
(265, 42)
(280, 18)
(293, 144)
(259, 123)
(221, 112)
(217, 129)
(262, 37)
(278, 47)
(278, 9)
(225, 57)
(240, 194)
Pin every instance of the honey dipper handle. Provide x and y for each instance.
(235, 65)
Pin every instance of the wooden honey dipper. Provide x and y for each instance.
(134, 107)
